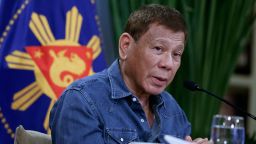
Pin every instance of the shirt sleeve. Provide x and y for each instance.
(74, 119)
(187, 125)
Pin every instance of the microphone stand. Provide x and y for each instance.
(228, 103)
(190, 85)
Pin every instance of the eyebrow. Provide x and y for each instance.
(181, 47)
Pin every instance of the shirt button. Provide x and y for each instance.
(142, 120)
(121, 139)
(134, 99)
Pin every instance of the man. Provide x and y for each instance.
(127, 101)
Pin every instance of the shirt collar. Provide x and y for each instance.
(156, 101)
(118, 87)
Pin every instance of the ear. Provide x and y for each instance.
(125, 41)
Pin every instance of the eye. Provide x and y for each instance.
(158, 50)
(178, 54)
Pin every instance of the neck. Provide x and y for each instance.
(145, 103)
(142, 96)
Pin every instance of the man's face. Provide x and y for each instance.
(151, 63)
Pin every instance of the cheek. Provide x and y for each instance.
(152, 59)
(148, 60)
(174, 70)
(177, 65)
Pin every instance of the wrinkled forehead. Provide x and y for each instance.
(161, 32)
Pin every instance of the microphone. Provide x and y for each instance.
(190, 85)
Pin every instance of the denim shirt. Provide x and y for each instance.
(100, 109)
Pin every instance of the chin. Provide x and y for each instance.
(156, 91)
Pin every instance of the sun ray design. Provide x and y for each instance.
(46, 120)
(73, 25)
(27, 96)
(20, 60)
(94, 43)
(40, 27)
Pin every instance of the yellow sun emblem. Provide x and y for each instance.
(24, 98)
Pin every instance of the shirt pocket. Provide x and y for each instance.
(120, 135)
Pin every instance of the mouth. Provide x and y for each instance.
(159, 81)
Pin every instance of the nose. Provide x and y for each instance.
(167, 61)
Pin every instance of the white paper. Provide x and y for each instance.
(173, 140)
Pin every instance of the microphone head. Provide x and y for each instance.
(191, 85)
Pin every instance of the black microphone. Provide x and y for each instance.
(195, 87)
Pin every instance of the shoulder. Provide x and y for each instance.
(82, 95)
(91, 85)
(88, 81)
(87, 90)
